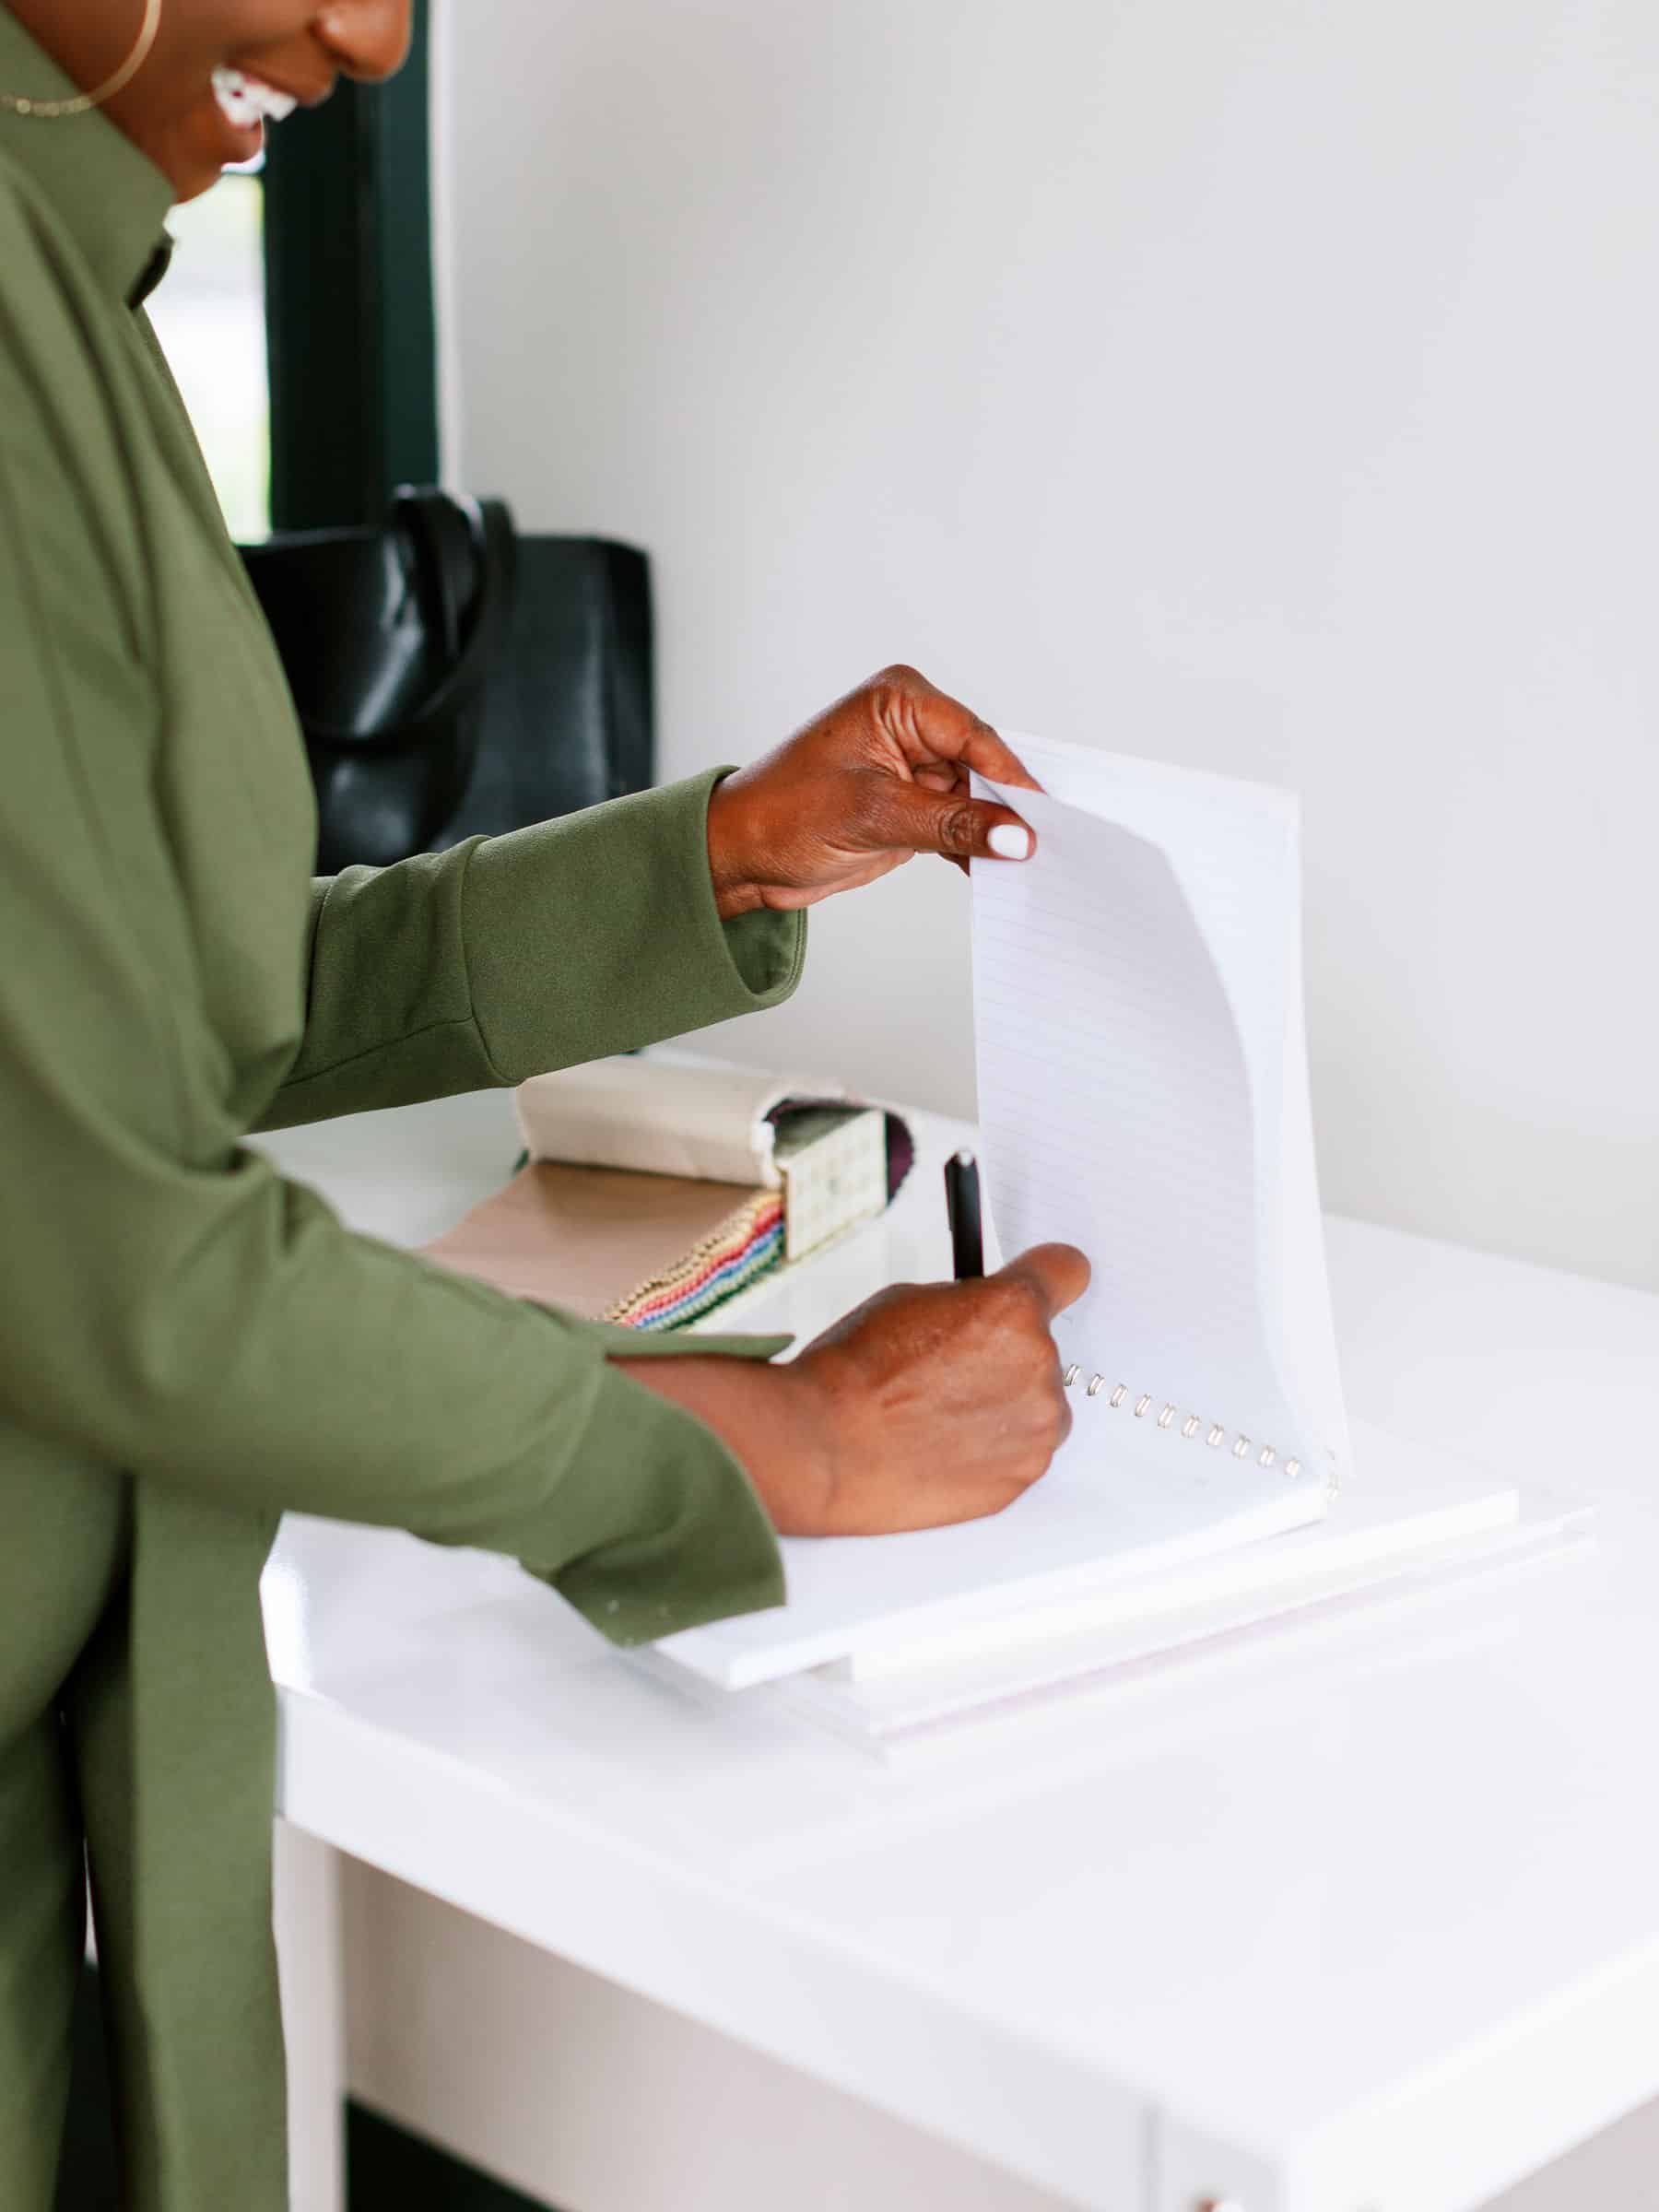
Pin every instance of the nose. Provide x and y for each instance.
(367, 39)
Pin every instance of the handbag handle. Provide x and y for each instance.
(438, 526)
(442, 536)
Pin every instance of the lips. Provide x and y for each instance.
(246, 101)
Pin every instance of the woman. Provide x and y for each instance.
(189, 1345)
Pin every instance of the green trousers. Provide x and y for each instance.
(71, 1543)
(71, 1817)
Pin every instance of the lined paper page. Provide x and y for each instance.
(1118, 1114)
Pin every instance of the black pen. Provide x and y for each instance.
(962, 1206)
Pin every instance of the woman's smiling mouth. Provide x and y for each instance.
(246, 102)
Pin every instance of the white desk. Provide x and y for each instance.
(1367, 1926)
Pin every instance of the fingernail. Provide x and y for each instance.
(1009, 842)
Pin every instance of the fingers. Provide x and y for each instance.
(913, 819)
(1058, 1274)
(930, 725)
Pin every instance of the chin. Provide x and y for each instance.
(193, 156)
(194, 185)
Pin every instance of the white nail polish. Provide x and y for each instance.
(1009, 842)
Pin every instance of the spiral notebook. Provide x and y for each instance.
(1142, 1093)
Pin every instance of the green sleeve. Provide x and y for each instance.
(174, 1307)
(510, 956)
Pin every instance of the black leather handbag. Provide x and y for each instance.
(454, 678)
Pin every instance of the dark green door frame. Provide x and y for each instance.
(348, 297)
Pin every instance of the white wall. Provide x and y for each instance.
(1266, 387)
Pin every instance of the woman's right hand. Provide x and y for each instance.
(936, 1401)
(929, 1404)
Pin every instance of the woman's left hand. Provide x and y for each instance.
(879, 776)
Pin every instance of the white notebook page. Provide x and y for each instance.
(1143, 1094)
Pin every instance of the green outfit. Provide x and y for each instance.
(189, 1344)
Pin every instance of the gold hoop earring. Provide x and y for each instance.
(52, 110)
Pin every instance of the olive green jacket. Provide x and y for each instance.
(189, 1344)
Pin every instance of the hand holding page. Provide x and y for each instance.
(1143, 1094)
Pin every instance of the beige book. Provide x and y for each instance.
(601, 1243)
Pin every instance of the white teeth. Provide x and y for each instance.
(277, 106)
(231, 90)
(244, 101)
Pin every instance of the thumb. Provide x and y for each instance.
(915, 820)
(1058, 1274)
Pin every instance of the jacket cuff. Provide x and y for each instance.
(655, 1526)
(664, 962)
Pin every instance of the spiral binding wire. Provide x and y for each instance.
(1214, 1434)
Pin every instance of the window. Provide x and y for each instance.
(210, 318)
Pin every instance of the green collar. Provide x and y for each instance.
(111, 198)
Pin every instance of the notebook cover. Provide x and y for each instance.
(585, 1239)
